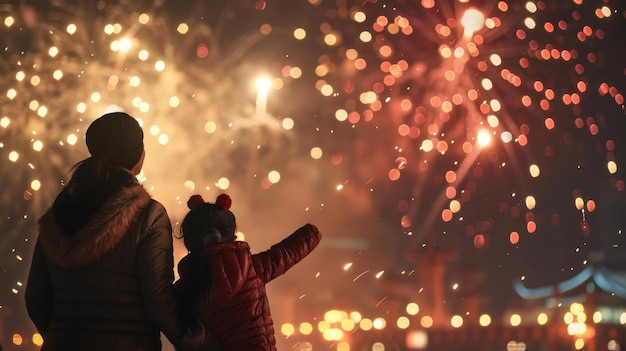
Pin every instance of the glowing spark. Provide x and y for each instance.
(483, 138)
(125, 45)
(263, 85)
(472, 21)
(360, 275)
(381, 301)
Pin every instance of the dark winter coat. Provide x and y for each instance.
(107, 285)
(239, 313)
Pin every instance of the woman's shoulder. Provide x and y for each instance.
(154, 209)
(156, 206)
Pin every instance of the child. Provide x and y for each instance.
(222, 285)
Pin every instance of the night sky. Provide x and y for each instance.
(371, 131)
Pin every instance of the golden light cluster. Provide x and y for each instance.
(339, 327)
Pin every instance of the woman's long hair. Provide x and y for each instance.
(92, 182)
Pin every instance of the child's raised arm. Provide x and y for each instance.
(284, 255)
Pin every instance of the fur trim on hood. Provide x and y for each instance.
(101, 234)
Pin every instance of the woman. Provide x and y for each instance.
(102, 269)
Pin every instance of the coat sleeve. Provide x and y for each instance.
(38, 292)
(284, 255)
(155, 260)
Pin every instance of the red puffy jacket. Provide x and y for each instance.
(239, 314)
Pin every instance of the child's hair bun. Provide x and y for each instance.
(194, 201)
(224, 201)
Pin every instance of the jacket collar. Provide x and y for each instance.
(99, 236)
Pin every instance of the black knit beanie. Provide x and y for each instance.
(118, 137)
